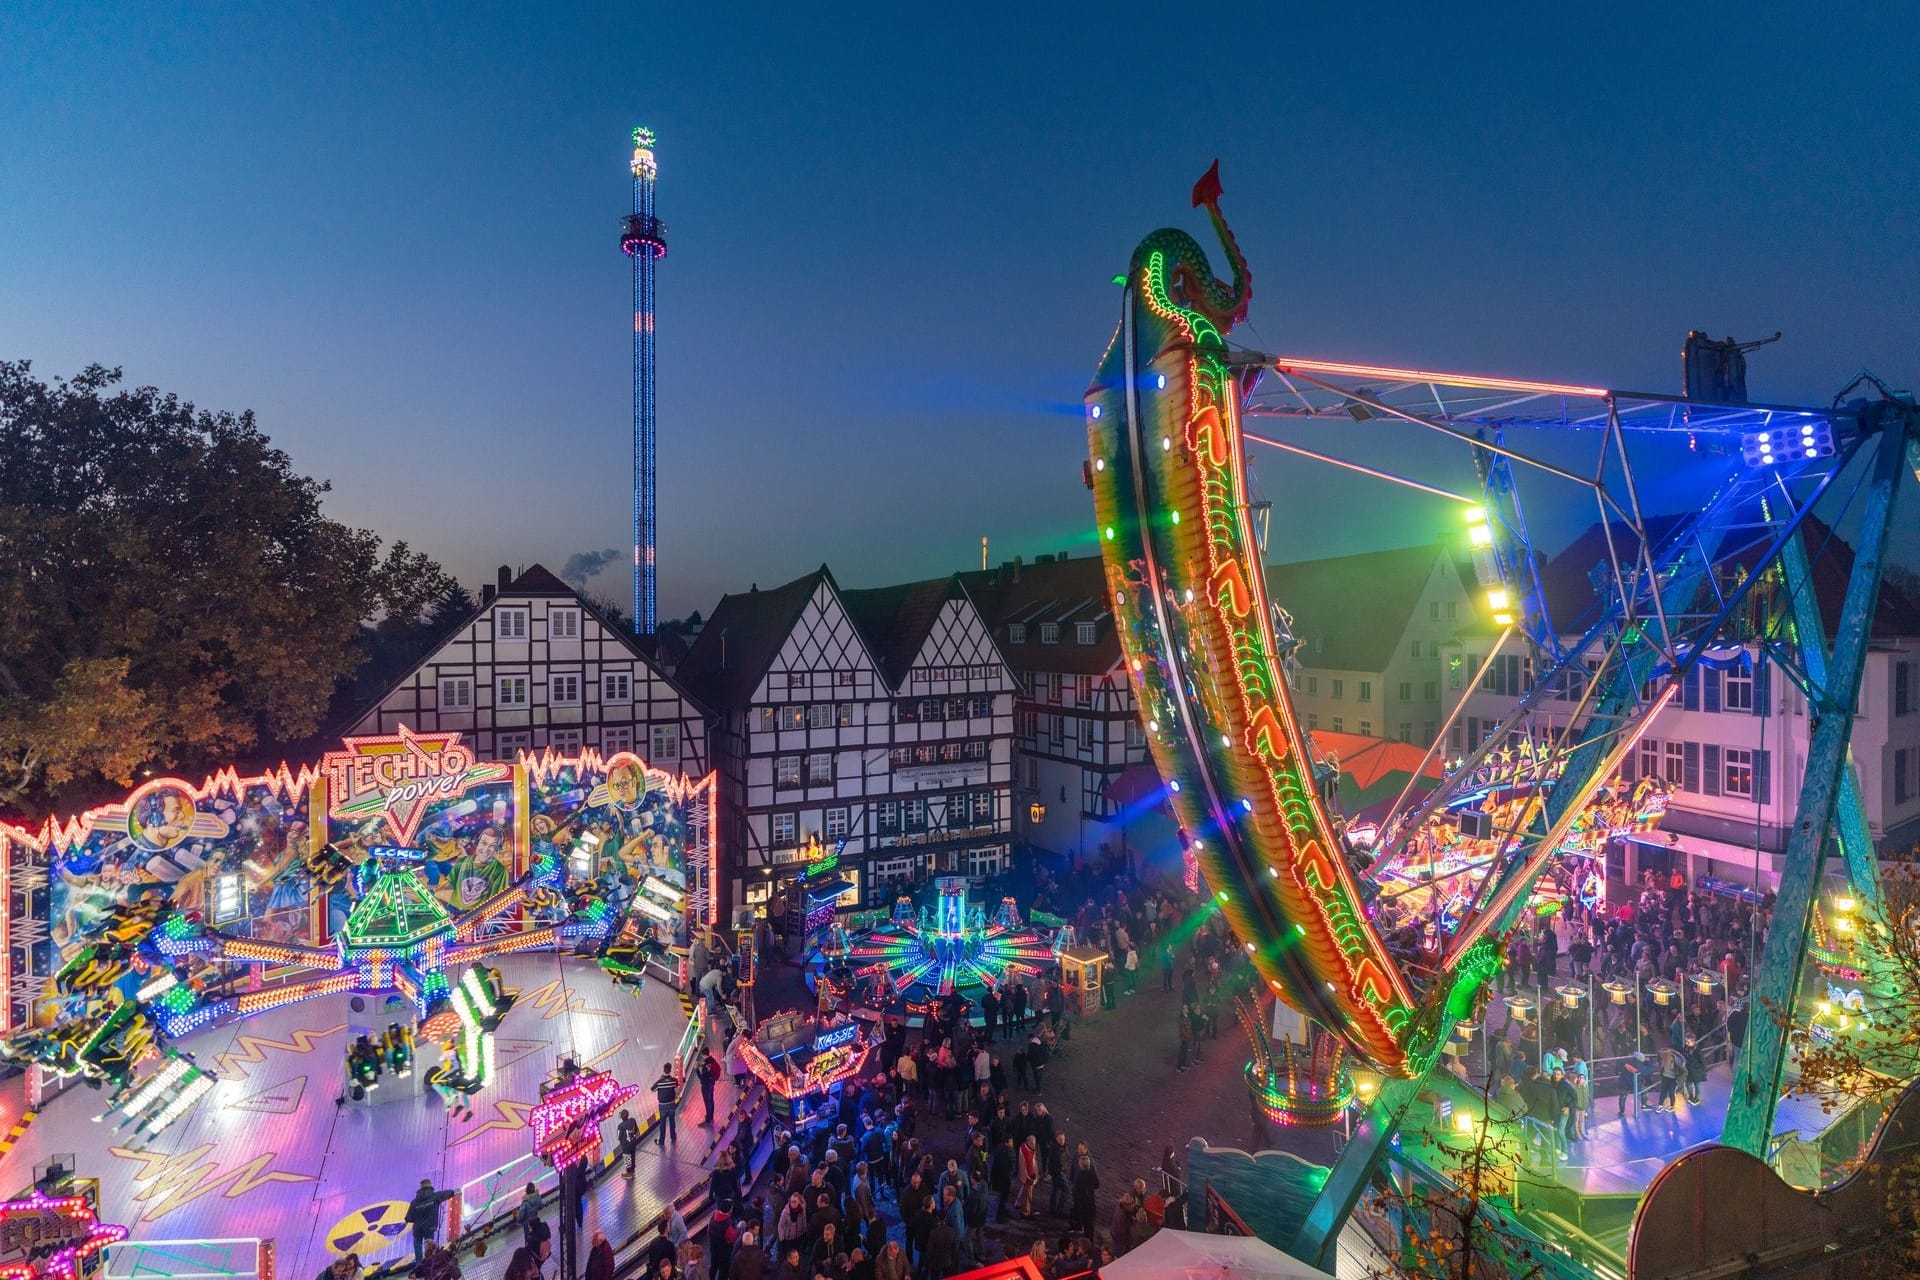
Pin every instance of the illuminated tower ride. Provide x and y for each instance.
(643, 238)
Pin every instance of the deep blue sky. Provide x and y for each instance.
(391, 230)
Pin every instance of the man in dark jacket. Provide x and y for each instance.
(423, 1215)
(709, 1076)
(629, 1139)
(600, 1258)
(942, 1256)
(666, 1092)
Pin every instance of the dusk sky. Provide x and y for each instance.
(392, 231)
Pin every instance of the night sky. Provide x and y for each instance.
(393, 233)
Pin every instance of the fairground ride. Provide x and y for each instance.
(1181, 536)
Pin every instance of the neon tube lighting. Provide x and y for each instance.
(1288, 364)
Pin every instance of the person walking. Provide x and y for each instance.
(1133, 969)
(666, 1092)
(627, 1134)
(423, 1215)
(1186, 1038)
(1037, 1061)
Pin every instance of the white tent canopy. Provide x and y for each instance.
(1189, 1255)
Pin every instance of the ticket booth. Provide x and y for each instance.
(1083, 973)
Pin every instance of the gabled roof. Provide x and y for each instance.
(1349, 612)
(895, 621)
(535, 580)
(1060, 590)
(742, 637)
(1569, 578)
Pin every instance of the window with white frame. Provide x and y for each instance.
(1025, 724)
(1366, 691)
(616, 737)
(1083, 691)
(886, 817)
(793, 717)
(1366, 728)
(956, 708)
(926, 753)
(763, 719)
(836, 824)
(959, 811)
(820, 716)
(786, 772)
(950, 752)
(1083, 633)
(456, 693)
(1136, 736)
(509, 624)
(1675, 756)
(981, 706)
(1736, 690)
(843, 714)
(1313, 720)
(616, 686)
(1313, 685)
(1339, 688)
(665, 744)
(900, 757)
(1433, 610)
(1406, 731)
(510, 691)
(563, 624)
(1049, 633)
(977, 749)
(565, 690)
(784, 828)
(932, 710)
(1016, 633)
(505, 744)
(566, 741)
(1649, 758)
(1736, 772)
(820, 769)
(1406, 691)
(913, 815)
(1339, 724)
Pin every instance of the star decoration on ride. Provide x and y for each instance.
(61, 1232)
(566, 1123)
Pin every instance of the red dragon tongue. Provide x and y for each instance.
(1207, 190)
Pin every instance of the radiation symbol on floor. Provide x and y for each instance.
(369, 1231)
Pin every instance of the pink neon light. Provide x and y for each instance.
(1289, 364)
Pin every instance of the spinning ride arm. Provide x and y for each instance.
(1183, 570)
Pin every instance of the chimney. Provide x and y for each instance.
(723, 648)
(1064, 556)
(487, 594)
(1016, 568)
(504, 577)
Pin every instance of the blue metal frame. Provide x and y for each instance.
(1756, 1086)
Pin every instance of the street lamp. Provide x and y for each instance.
(1036, 813)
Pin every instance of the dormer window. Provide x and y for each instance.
(1049, 633)
(1083, 633)
(1016, 633)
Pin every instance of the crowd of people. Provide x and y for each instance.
(1659, 1038)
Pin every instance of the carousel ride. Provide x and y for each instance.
(1387, 944)
(946, 953)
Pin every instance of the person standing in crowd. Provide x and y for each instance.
(600, 1258)
(533, 1227)
(423, 1215)
(666, 1093)
(1086, 1185)
(709, 1076)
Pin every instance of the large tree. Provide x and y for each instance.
(170, 592)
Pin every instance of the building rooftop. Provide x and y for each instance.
(742, 636)
(1349, 612)
(1057, 589)
(895, 621)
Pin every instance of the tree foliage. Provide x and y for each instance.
(1870, 1062)
(170, 591)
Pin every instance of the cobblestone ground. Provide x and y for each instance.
(1117, 1088)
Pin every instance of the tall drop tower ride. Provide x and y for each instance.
(643, 238)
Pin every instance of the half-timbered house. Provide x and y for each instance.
(1083, 784)
(536, 666)
(873, 726)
